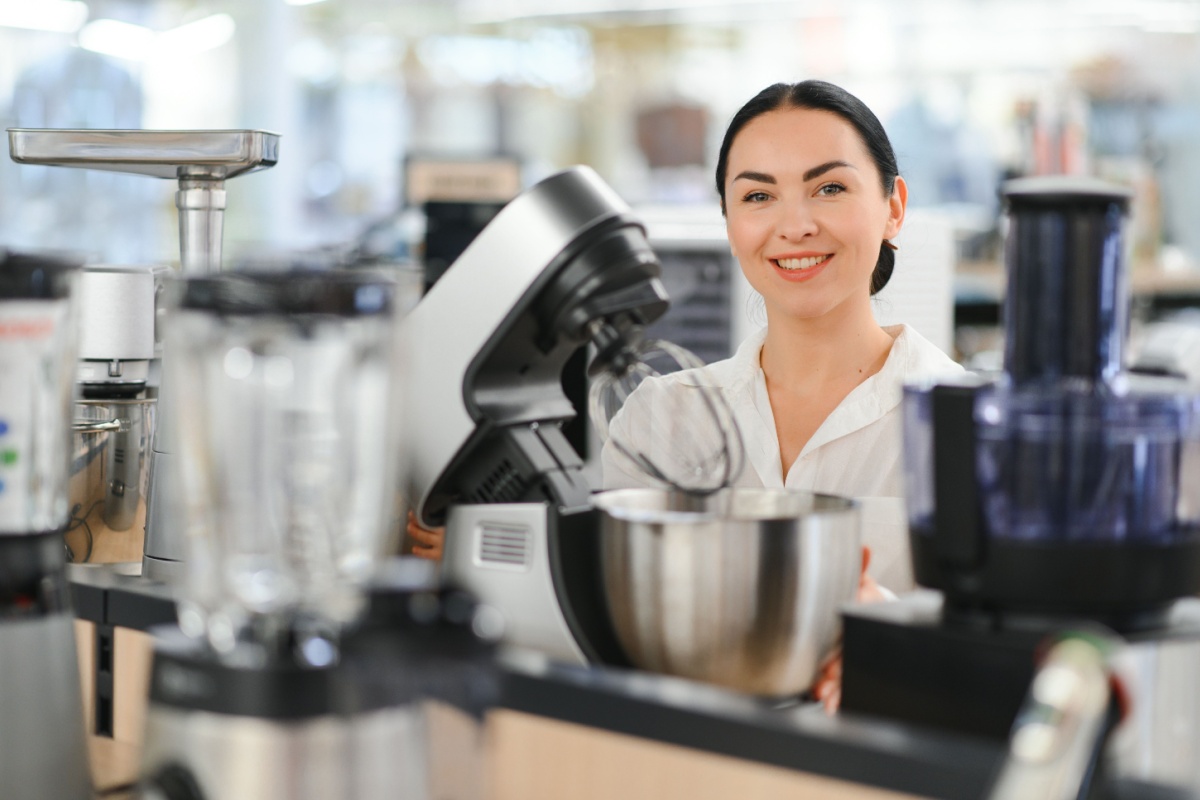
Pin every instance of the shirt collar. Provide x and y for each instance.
(872, 398)
(742, 379)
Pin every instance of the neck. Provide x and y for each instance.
(847, 344)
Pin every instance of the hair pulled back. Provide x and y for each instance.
(822, 96)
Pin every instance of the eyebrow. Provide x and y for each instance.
(820, 170)
(750, 175)
(815, 172)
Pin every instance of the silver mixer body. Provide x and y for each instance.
(562, 266)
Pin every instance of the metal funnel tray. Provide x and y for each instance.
(214, 155)
(200, 160)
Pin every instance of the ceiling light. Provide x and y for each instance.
(115, 38)
(136, 43)
(505, 10)
(204, 34)
(56, 16)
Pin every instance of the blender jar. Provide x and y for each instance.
(43, 752)
(38, 346)
(286, 470)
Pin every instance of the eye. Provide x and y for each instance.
(830, 189)
(756, 197)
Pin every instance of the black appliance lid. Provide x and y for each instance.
(329, 292)
(1065, 189)
(35, 276)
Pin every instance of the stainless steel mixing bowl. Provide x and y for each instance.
(741, 588)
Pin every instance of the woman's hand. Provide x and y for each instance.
(429, 541)
(828, 688)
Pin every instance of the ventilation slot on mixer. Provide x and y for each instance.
(502, 485)
(504, 546)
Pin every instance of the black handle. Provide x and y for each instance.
(958, 526)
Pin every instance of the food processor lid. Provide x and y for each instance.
(1060, 189)
(686, 440)
(35, 276)
(328, 292)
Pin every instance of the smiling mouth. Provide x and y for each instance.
(799, 264)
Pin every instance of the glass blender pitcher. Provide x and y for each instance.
(275, 687)
(285, 485)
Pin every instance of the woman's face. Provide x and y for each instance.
(805, 211)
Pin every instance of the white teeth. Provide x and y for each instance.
(800, 263)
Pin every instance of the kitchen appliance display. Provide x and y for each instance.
(201, 161)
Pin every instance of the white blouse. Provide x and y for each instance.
(856, 452)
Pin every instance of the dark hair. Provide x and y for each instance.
(822, 96)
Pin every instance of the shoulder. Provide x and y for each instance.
(917, 357)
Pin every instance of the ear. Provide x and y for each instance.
(897, 204)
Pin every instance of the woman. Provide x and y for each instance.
(811, 196)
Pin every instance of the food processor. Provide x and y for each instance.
(1067, 486)
(42, 749)
(201, 161)
(1060, 494)
(286, 481)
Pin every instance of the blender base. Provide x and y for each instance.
(1128, 586)
(908, 661)
(42, 748)
(901, 662)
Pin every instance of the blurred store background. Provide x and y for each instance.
(365, 92)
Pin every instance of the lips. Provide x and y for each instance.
(801, 268)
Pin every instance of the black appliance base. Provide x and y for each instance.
(1128, 586)
(966, 674)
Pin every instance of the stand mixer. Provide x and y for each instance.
(42, 748)
(563, 266)
(201, 161)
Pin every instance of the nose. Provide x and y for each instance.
(796, 220)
